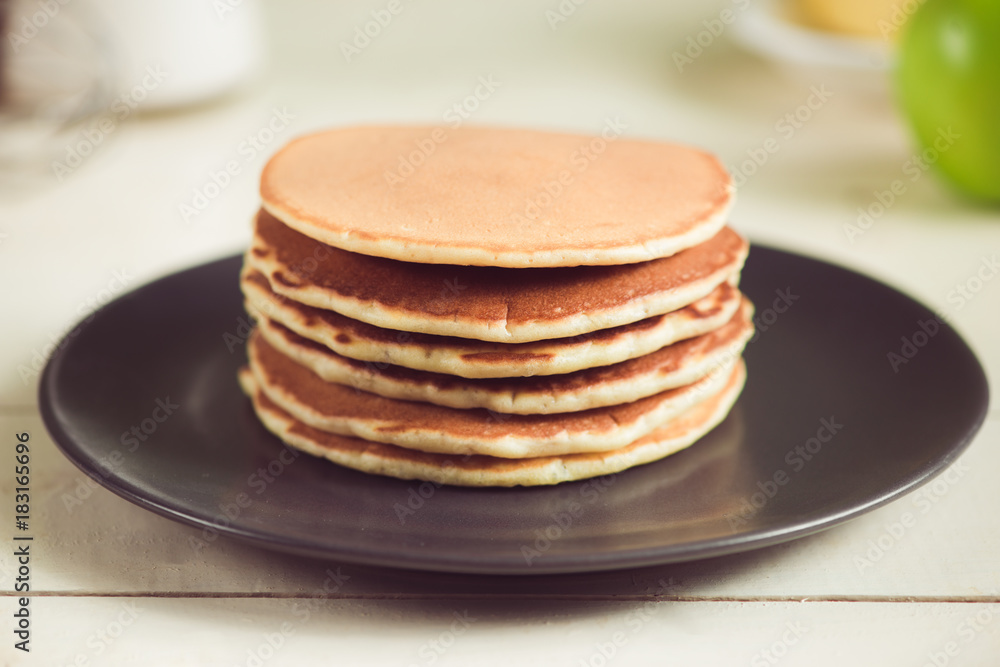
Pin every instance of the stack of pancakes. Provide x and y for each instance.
(491, 307)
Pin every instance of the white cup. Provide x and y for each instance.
(192, 50)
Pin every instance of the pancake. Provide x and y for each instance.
(488, 303)
(477, 470)
(496, 197)
(673, 366)
(480, 359)
(342, 410)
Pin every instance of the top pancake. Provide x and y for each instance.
(496, 197)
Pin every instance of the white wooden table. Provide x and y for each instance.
(113, 584)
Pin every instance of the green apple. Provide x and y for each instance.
(949, 84)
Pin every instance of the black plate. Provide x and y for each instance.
(869, 427)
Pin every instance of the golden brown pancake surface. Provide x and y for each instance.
(496, 197)
(481, 470)
(488, 303)
(347, 411)
(481, 359)
(669, 367)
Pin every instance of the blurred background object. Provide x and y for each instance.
(71, 66)
(949, 88)
(202, 49)
(945, 55)
(56, 71)
(820, 38)
(863, 18)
